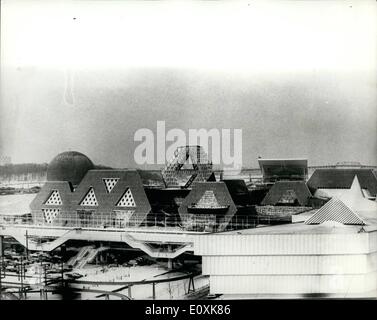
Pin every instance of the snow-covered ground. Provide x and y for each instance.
(16, 204)
(167, 290)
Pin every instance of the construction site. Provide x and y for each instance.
(190, 232)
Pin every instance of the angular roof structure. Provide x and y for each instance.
(343, 179)
(205, 192)
(41, 199)
(335, 210)
(129, 183)
(287, 189)
(238, 190)
(354, 198)
(93, 193)
(175, 173)
(283, 169)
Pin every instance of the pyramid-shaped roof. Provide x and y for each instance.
(343, 179)
(208, 200)
(282, 189)
(335, 210)
(207, 189)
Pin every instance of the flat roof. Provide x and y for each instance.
(301, 162)
(302, 228)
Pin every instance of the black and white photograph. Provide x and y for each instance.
(205, 151)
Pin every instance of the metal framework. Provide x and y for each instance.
(196, 158)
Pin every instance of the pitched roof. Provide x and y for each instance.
(355, 200)
(238, 190)
(65, 193)
(342, 179)
(287, 188)
(105, 201)
(162, 198)
(220, 192)
(335, 210)
(208, 200)
(128, 180)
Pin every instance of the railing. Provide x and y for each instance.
(186, 222)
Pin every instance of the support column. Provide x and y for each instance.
(154, 291)
(1, 246)
(170, 261)
(191, 283)
(63, 249)
(101, 254)
(129, 291)
(27, 244)
(170, 264)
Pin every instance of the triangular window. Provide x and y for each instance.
(50, 214)
(54, 198)
(110, 183)
(89, 199)
(127, 200)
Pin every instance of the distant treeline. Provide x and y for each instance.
(27, 168)
(31, 170)
(23, 168)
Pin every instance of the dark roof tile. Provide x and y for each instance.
(342, 179)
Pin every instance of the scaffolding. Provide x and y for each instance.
(200, 169)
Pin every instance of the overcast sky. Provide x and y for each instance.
(299, 78)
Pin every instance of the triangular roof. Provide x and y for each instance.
(343, 179)
(335, 210)
(65, 193)
(106, 201)
(348, 196)
(355, 200)
(220, 191)
(208, 200)
(356, 187)
(280, 188)
(128, 179)
(353, 195)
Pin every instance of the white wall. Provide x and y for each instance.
(278, 244)
(289, 265)
(347, 285)
(285, 264)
